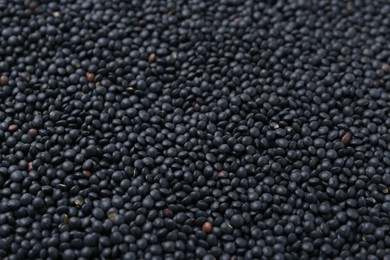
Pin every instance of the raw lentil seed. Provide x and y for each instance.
(194, 129)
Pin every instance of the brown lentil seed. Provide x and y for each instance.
(385, 67)
(33, 5)
(86, 173)
(223, 174)
(3, 80)
(152, 58)
(30, 166)
(207, 227)
(168, 213)
(12, 128)
(90, 77)
(346, 138)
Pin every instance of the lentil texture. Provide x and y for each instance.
(231, 129)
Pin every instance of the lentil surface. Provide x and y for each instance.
(231, 129)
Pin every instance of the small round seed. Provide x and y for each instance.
(13, 128)
(207, 227)
(346, 138)
(3, 80)
(90, 77)
(152, 58)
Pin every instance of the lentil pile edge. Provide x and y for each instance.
(226, 129)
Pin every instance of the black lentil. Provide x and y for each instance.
(194, 129)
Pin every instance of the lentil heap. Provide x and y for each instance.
(194, 129)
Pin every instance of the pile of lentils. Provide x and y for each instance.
(231, 129)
